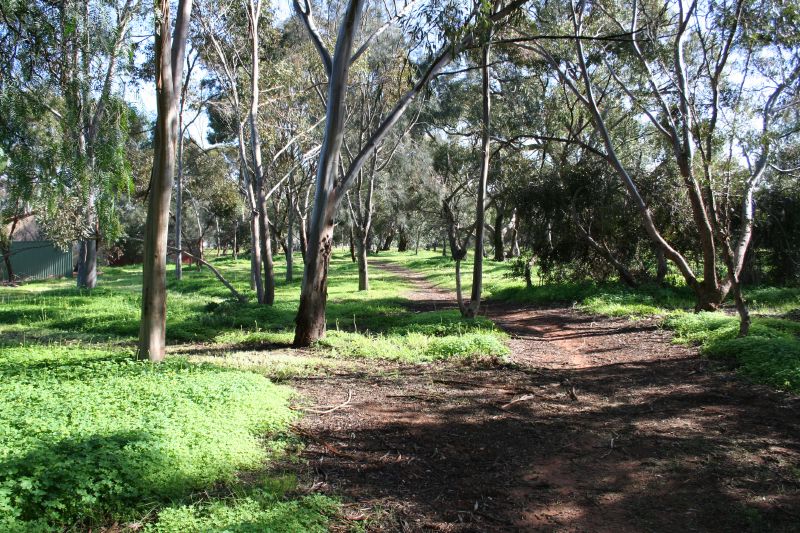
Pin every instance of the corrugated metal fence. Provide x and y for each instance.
(38, 260)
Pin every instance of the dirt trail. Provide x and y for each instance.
(595, 424)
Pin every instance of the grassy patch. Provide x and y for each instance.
(88, 435)
(770, 354)
(250, 511)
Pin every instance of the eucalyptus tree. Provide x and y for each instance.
(222, 45)
(454, 179)
(333, 182)
(169, 59)
(381, 74)
(212, 192)
(690, 71)
(64, 59)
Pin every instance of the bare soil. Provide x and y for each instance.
(595, 424)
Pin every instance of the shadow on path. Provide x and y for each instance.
(594, 425)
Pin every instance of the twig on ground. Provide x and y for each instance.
(522, 398)
(326, 411)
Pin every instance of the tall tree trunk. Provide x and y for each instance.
(254, 15)
(169, 63)
(480, 215)
(310, 320)
(266, 256)
(179, 203)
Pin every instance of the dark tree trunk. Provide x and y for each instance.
(6, 250)
(661, 266)
(87, 264)
(310, 320)
(363, 266)
(353, 257)
(387, 243)
(402, 241)
(529, 273)
(266, 257)
(499, 251)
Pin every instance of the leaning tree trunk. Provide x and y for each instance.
(480, 219)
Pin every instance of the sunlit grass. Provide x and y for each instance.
(770, 354)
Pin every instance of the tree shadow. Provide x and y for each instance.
(660, 445)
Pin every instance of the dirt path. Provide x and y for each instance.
(595, 425)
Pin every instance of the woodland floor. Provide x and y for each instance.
(593, 424)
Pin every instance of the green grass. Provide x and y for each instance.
(250, 511)
(89, 436)
(770, 354)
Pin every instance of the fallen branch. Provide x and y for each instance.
(216, 272)
(326, 411)
(174, 250)
(520, 399)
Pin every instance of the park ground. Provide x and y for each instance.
(570, 407)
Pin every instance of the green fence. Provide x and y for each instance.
(38, 260)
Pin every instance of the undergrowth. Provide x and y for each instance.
(89, 435)
(770, 354)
